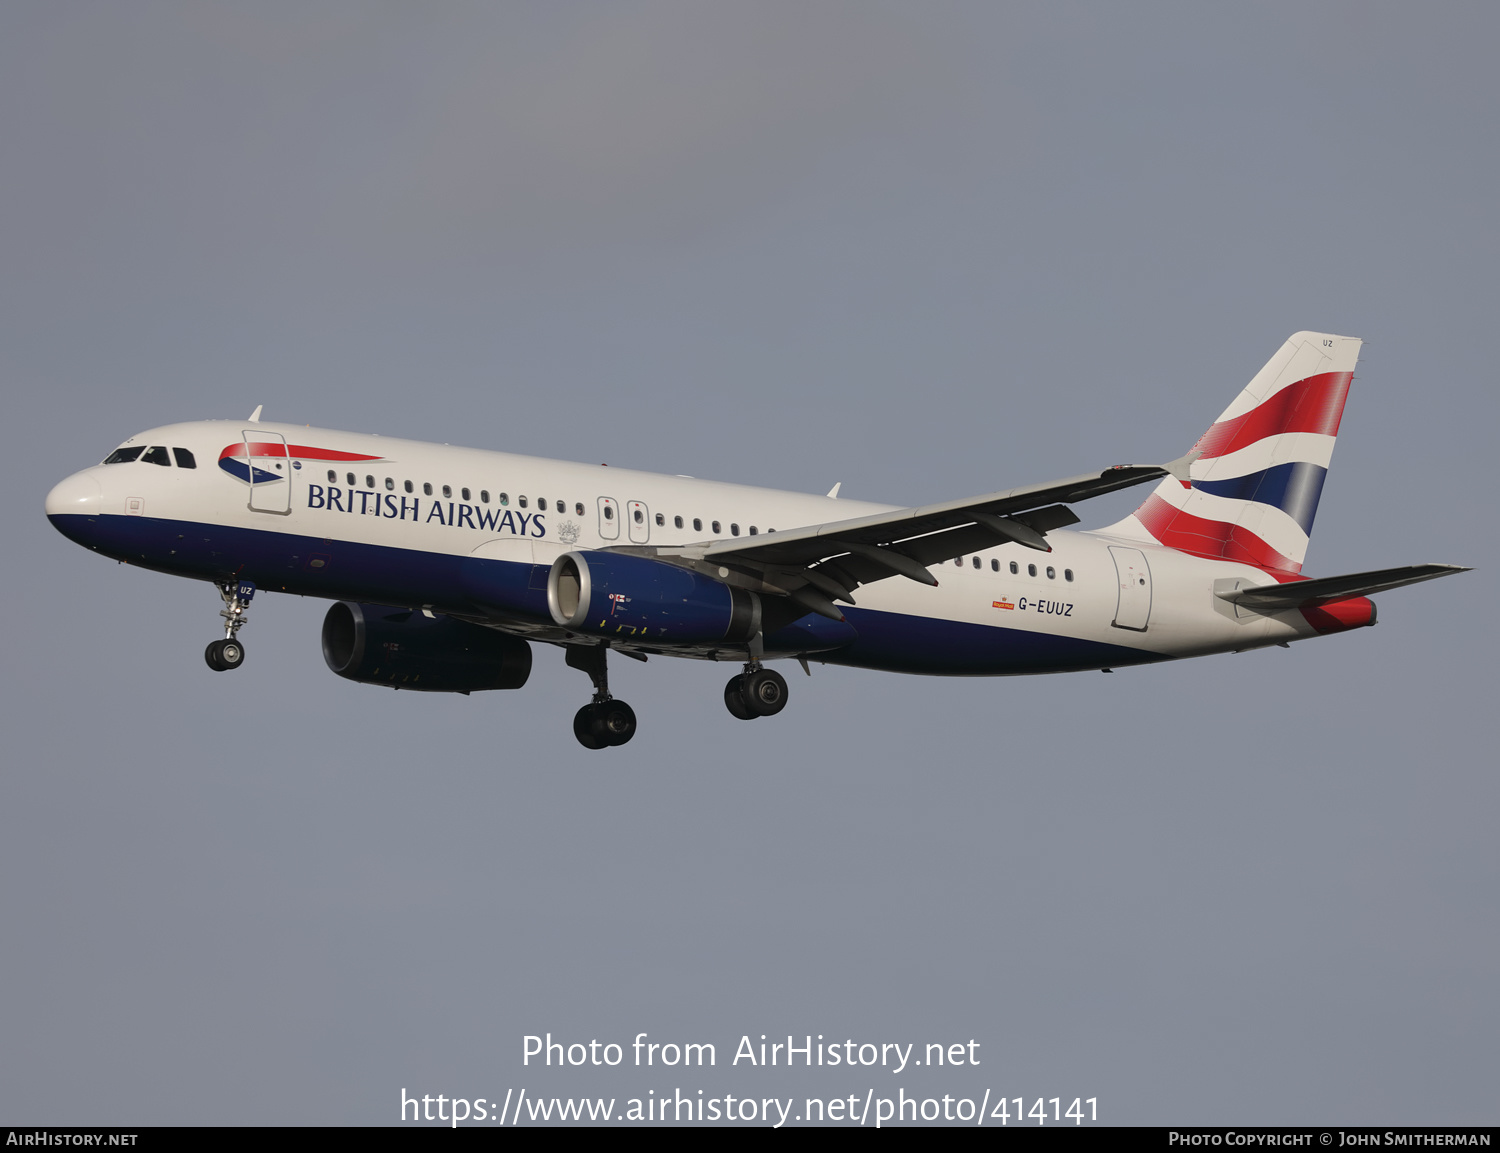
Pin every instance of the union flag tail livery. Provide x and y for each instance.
(448, 565)
(1253, 489)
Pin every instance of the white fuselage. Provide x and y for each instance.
(365, 517)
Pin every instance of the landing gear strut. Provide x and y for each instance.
(604, 721)
(229, 653)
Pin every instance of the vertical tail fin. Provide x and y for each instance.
(1254, 488)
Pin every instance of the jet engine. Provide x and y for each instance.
(619, 595)
(402, 649)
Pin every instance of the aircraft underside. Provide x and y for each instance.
(512, 597)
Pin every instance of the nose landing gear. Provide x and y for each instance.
(221, 656)
(603, 722)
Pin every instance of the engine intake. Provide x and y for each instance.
(402, 649)
(619, 595)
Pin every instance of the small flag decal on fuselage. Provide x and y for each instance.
(1003, 604)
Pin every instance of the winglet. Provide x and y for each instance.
(833, 493)
(1179, 467)
(255, 416)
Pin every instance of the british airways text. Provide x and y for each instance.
(363, 502)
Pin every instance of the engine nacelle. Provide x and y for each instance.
(401, 649)
(619, 595)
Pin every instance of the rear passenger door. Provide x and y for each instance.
(1133, 609)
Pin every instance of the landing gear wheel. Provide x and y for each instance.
(614, 722)
(583, 727)
(734, 699)
(764, 692)
(221, 656)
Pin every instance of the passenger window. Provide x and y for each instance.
(753, 530)
(484, 496)
(1067, 574)
(578, 509)
(463, 494)
(390, 485)
(157, 454)
(716, 528)
(369, 482)
(333, 477)
(697, 525)
(995, 565)
(677, 521)
(426, 489)
(184, 458)
(504, 499)
(521, 500)
(959, 561)
(976, 562)
(541, 504)
(1031, 570)
(1051, 573)
(124, 455)
(660, 520)
(562, 506)
(350, 478)
(1014, 568)
(406, 484)
(448, 491)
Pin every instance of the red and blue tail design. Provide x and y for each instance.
(1254, 487)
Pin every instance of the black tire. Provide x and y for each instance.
(765, 692)
(221, 656)
(734, 699)
(615, 722)
(583, 727)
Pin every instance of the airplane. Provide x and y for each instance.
(447, 564)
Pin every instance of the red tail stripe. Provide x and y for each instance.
(1315, 404)
(1210, 538)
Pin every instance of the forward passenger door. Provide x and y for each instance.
(270, 472)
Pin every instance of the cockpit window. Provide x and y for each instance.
(124, 455)
(184, 458)
(157, 454)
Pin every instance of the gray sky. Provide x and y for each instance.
(925, 250)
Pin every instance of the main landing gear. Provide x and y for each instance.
(604, 721)
(756, 692)
(229, 653)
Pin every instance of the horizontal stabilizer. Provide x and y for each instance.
(1296, 594)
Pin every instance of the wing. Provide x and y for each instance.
(820, 564)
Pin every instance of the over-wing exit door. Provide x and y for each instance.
(639, 522)
(609, 518)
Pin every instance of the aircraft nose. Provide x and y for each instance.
(79, 495)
